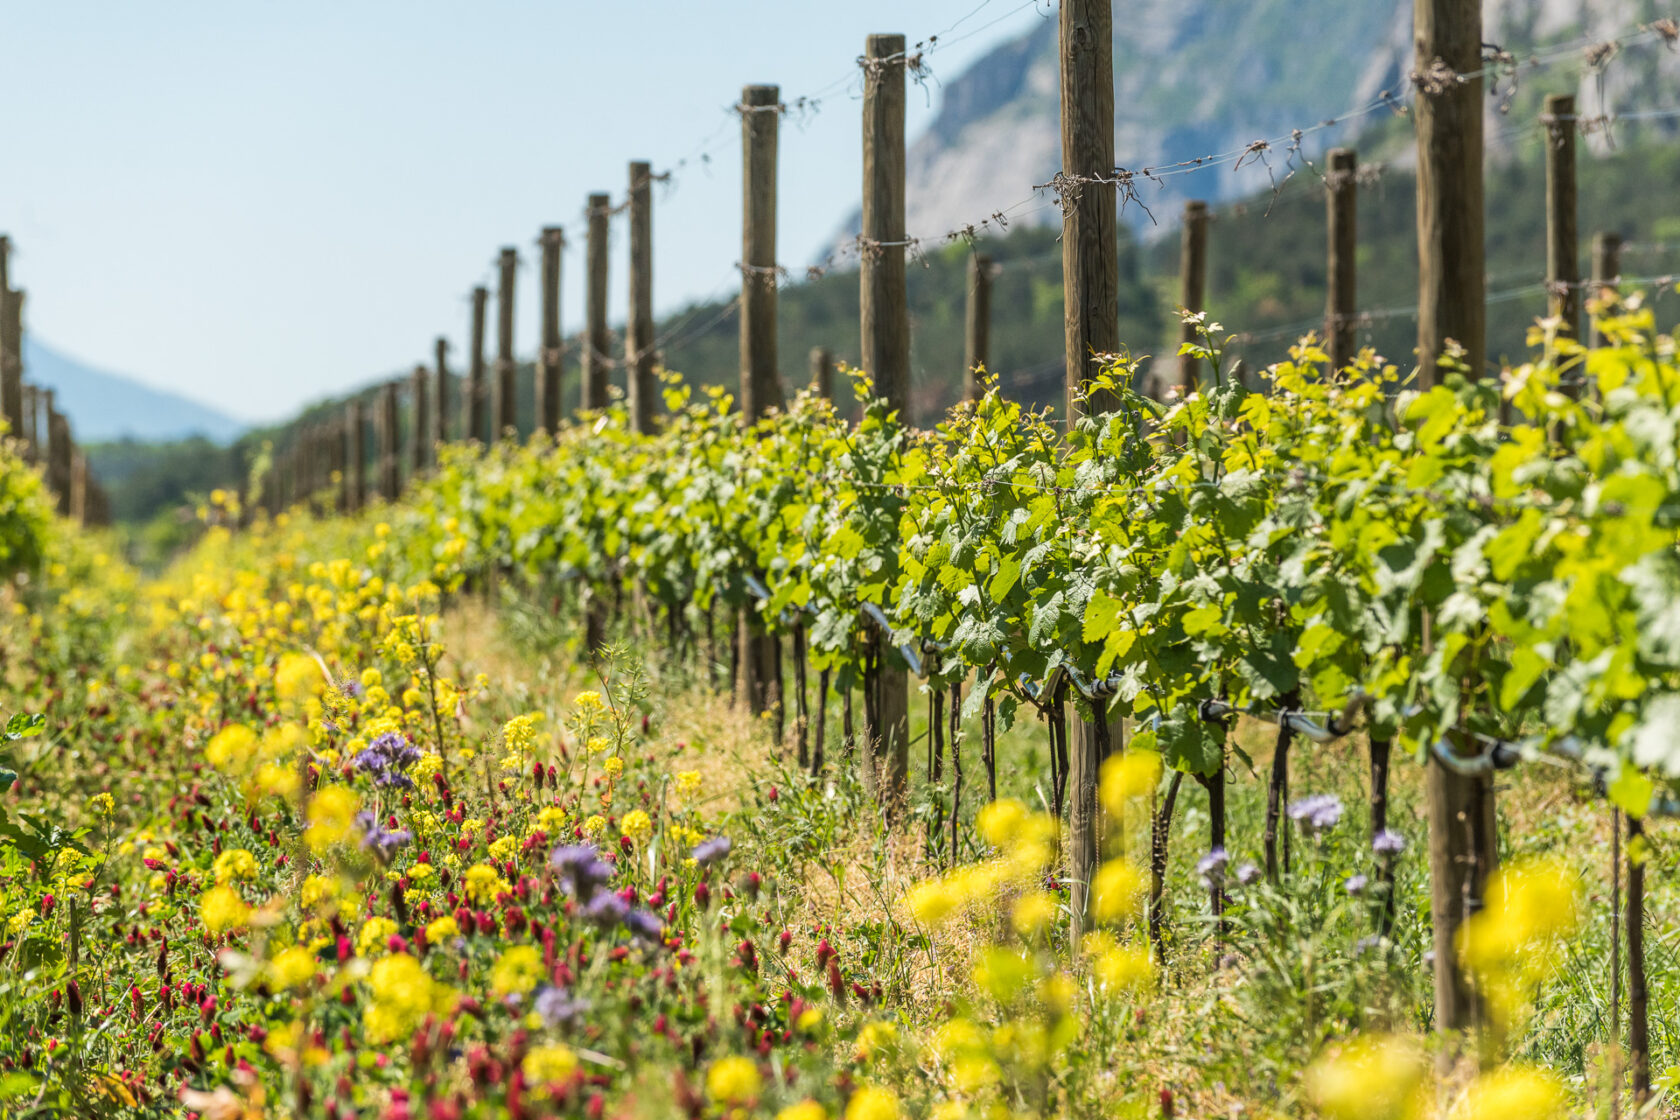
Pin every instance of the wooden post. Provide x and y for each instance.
(1606, 271)
(390, 481)
(31, 431)
(639, 357)
(332, 438)
(11, 360)
(420, 435)
(502, 409)
(822, 371)
(761, 387)
(1451, 305)
(1563, 261)
(552, 352)
(476, 423)
(1639, 1025)
(1341, 206)
(1192, 280)
(882, 298)
(308, 465)
(1091, 320)
(79, 487)
(1452, 280)
(439, 434)
(59, 453)
(597, 338)
(885, 323)
(761, 384)
(355, 475)
(977, 324)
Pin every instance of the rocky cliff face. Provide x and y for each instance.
(1194, 77)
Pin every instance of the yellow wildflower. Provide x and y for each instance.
(235, 865)
(231, 746)
(734, 1080)
(482, 883)
(332, 811)
(1117, 891)
(1371, 1077)
(637, 825)
(1033, 911)
(403, 994)
(872, 1102)
(545, 1065)
(518, 970)
(222, 909)
(806, 1109)
(292, 967)
(1512, 1093)
(374, 936)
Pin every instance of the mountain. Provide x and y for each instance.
(1199, 77)
(109, 406)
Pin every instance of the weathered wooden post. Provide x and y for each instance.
(355, 475)
(79, 487)
(551, 354)
(1192, 281)
(503, 410)
(420, 413)
(885, 325)
(596, 336)
(1341, 205)
(1451, 306)
(1639, 996)
(1606, 271)
(761, 386)
(59, 452)
(332, 440)
(1091, 294)
(822, 371)
(11, 360)
(1563, 260)
(476, 389)
(639, 356)
(390, 478)
(977, 324)
(31, 435)
(441, 420)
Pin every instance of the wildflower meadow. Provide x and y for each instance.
(459, 806)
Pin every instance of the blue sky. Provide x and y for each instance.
(260, 203)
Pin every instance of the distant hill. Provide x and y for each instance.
(1197, 77)
(106, 406)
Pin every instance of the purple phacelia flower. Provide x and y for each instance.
(710, 851)
(557, 1006)
(382, 842)
(606, 909)
(1211, 867)
(645, 925)
(581, 870)
(1387, 843)
(1317, 812)
(385, 760)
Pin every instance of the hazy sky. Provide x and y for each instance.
(258, 203)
